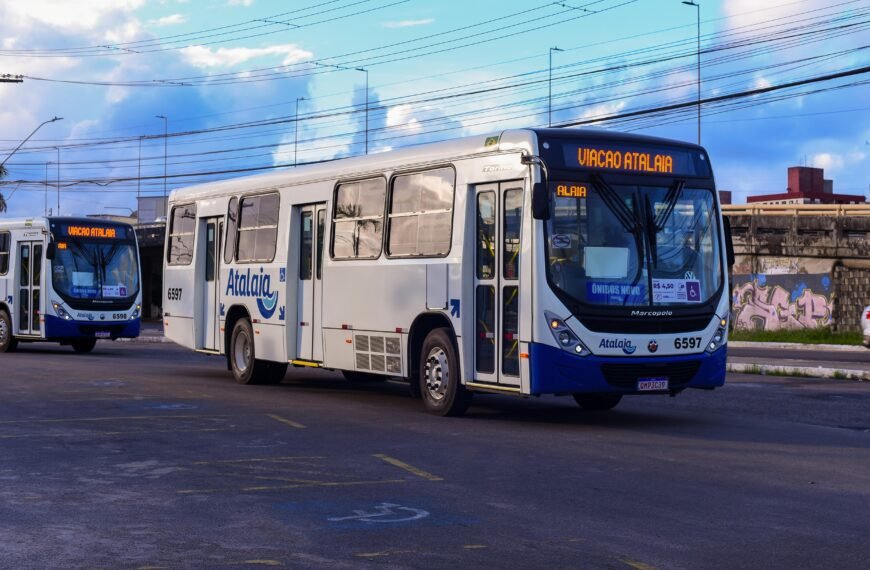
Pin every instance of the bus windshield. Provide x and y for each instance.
(89, 270)
(633, 245)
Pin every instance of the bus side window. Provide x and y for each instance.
(358, 219)
(421, 214)
(321, 217)
(181, 230)
(513, 218)
(258, 228)
(4, 252)
(232, 224)
(486, 235)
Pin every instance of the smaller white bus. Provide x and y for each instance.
(68, 280)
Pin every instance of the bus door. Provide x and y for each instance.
(498, 213)
(309, 290)
(210, 336)
(29, 280)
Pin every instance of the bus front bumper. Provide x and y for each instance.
(57, 328)
(555, 371)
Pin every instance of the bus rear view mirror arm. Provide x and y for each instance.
(540, 190)
(50, 251)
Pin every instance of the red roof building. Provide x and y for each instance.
(807, 185)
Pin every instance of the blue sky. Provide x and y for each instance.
(436, 70)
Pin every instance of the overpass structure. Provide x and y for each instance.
(800, 266)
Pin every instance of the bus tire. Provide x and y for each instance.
(8, 343)
(83, 345)
(362, 377)
(597, 402)
(440, 379)
(243, 358)
(276, 371)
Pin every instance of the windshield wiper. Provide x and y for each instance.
(670, 202)
(624, 216)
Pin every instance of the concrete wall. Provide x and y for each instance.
(800, 270)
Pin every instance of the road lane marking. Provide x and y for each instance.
(409, 468)
(475, 546)
(282, 487)
(290, 423)
(638, 565)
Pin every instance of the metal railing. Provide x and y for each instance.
(836, 210)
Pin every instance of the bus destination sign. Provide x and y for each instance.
(628, 158)
(98, 232)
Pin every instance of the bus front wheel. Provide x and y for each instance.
(8, 343)
(597, 402)
(440, 381)
(246, 368)
(84, 345)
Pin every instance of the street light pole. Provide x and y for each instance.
(28, 138)
(296, 135)
(550, 88)
(139, 172)
(366, 71)
(698, 11)
(165, 135)
(58, 179)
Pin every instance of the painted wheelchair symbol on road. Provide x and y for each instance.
(385, 513)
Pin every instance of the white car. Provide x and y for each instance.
(865, 324)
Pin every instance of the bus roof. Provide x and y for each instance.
(515, 140)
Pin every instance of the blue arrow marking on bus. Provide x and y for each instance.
(454, 308)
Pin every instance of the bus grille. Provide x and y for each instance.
(378, 353)
(627, 375)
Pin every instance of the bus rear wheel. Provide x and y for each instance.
(597, 402)
(8, 343)
(440, 380)
(83, 345)
(243, 358)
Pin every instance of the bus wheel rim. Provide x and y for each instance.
(437, 373)
(242, 353)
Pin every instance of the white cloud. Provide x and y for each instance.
(201, 56)
(827, 160)
(171, 20)
(244, 3)
(73, 13)
(407, 23)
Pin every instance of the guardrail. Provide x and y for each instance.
(836, 210)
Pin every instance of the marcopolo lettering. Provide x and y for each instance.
(625, 344)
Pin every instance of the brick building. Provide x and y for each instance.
(807, 185)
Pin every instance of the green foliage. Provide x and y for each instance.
(805, 336)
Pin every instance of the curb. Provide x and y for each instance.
(797, 346)
(799, 371)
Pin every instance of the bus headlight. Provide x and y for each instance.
(136, 312)
(60, 311)
(719, 337)
(564, 336)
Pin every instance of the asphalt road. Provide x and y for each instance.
(147, 455)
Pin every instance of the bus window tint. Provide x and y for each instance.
(181, 231)
(513, 217)
(258, 228)
(358, 219)
(4, 252)
(421, 213)
(232, 225)
(305, 247)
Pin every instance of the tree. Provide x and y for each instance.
(2, 198)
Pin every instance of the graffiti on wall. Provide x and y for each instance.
(776, 302)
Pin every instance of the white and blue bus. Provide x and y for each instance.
(68, 280)
(530, 262)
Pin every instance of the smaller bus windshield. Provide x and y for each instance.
(88, 269)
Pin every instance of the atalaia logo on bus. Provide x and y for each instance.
(257, 285)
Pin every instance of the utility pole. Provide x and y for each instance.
(165, 135)
(139, 174)
(45, 192)
(550, 88)
(698, 11)
(296, 135)
(58, 179)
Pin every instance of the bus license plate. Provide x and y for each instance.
(103, 334)
(652, 384)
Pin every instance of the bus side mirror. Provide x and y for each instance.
(50, 251)
(540, 201)
(729, 243)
